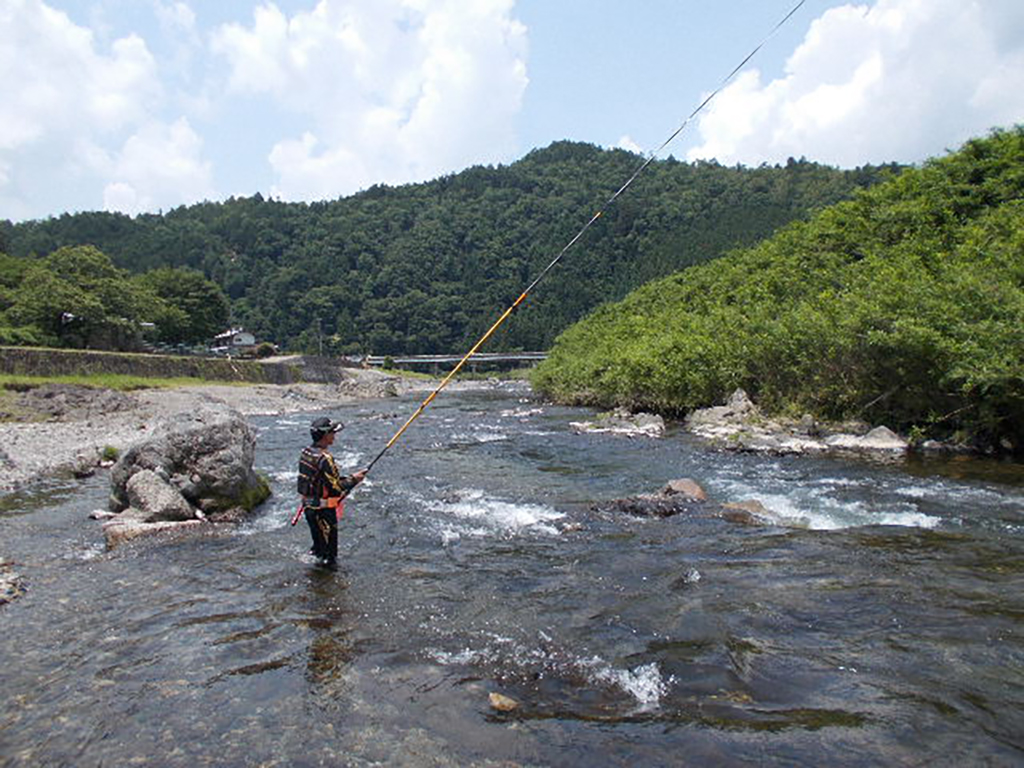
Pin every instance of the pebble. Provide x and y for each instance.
(501, 702)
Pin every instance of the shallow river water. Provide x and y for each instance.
(879, 622)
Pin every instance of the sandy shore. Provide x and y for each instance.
(77, 427)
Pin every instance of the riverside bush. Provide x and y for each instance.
(903, 306)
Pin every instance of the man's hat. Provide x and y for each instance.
(323, 425)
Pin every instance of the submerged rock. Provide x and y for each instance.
(190, 468)
(684, 496)
(684, 487)
(11, 584)
(126, 526)
(749, 512)
(650, 505)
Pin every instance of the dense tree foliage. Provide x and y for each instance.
(904, 305)
(76, 297)
(427, 267)
(197, 308)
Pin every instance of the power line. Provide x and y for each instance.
(640, 169)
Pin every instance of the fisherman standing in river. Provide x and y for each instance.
(323, 490)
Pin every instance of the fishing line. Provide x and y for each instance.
(522, 297)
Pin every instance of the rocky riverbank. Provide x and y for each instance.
(739, 425)
(71, 430)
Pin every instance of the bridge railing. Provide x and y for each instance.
(479, 360)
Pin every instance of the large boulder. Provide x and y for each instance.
(206, 456)
(194, 467)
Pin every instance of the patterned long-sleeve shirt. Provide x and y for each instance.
(319, 478)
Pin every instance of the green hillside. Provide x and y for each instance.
(427, 267)
(903, 306)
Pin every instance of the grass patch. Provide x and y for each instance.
(402, 373)
(12, 410)
(117, 381)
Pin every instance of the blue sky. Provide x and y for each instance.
(145, 105)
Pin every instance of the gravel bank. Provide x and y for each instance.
(79, 423)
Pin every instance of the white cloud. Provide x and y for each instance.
(896, 80)
(627, 143)
(60, 83)
(178, 27)
(160, 165)
(177, 16)
(390, 90)
(76, 119)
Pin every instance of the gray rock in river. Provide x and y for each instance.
(878, 439)
(11, 584)
(685, 487)
(740, 426)
(149, 493)
(623, 422)
(677, 497)
(650, 505)
(192, 468)
(687, 497)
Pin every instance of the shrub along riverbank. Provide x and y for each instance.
(904, 306)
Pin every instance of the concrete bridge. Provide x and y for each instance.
(441, 363)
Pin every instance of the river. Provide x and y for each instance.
(879, 622)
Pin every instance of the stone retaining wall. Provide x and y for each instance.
(31, 361)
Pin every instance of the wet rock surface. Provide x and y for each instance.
(686, 497)
(11, 584)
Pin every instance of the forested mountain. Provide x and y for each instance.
(427, 267)
(903, 306)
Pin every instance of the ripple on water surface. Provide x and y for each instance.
(887, 630)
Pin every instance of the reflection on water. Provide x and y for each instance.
(877, 621)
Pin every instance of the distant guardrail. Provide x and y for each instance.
(480, 359)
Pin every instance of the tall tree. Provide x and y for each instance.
(203, 309)
(78, 298)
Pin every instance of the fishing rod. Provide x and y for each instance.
(600, 212)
